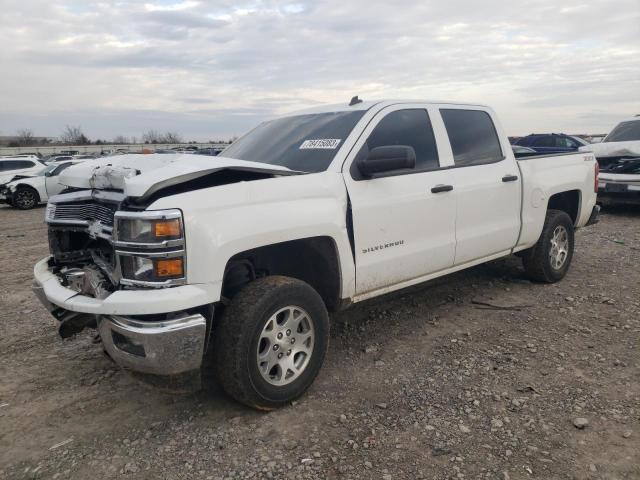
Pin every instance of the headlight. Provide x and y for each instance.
(50, 212)
(161, 227)
(140, 268)
(150, 247)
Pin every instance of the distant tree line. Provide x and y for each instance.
(73, 135)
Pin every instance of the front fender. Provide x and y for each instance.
(223, 221)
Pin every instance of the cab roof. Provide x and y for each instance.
(366, 105)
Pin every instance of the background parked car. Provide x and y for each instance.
(619, 158)
(208, 151)
(551, 142)
(10, 167)
(25, 193)
(58, 158)
(520, 151)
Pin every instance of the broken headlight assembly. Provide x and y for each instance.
(150, 247)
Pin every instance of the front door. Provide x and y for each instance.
(403, 221)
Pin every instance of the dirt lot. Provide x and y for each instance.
(420, 384)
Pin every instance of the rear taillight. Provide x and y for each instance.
(596, 172)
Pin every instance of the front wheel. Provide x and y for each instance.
(270, 343)
(25, 198)
(549, 259)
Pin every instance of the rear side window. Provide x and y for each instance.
(547, 141)
(564, 142)
(8, 165)
(410, 127)
(473, 137)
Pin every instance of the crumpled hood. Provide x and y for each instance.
(614, 149)
(140, 175)
(16, 177)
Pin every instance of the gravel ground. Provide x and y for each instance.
(425, 383)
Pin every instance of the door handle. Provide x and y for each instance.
(509, 178)
(441, 188)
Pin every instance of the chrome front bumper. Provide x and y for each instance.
(160, 347)
(166, 347)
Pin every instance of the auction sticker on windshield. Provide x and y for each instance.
(322, 143)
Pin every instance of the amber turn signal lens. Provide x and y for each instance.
(169, 268)
(168, 228)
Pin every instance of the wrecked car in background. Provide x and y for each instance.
(244, 255)
(28, 191)
(619, 158)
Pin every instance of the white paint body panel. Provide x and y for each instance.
(225, 220)
(482, 219)
(45, 186)
(7, 175)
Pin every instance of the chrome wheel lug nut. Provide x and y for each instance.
(280, 355)
(288, 352)
(288, 332)
(293, 340)
(279, 335)
(276, 347)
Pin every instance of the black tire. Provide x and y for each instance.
(537, 261)
(237, 338)
(25, 198)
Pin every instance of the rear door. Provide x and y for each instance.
(403, 221)
(487, 184)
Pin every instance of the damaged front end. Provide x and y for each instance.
(80, 230)
(101, 248)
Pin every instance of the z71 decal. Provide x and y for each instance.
(382, 246)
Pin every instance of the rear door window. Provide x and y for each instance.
(564, 142)
(473, 137)
(547, 141)
(9, 165)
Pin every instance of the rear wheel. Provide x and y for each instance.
(25, 198)
(549, 259)
(270, 343)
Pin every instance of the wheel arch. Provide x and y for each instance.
(26, 186)
(314, 260)
(568, 202)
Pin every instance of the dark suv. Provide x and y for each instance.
(551, 142)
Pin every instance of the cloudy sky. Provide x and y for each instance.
(210, 69)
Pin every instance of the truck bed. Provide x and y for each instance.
(545, 175)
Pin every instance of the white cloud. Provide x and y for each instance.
(212, 68)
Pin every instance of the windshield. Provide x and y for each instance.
(44, 171)
(624, 132)
(305, 143)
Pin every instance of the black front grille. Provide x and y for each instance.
(90, 211)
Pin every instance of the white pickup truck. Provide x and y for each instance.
(243, 255)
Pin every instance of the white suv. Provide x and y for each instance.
(9, 167)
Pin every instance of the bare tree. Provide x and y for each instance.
(121, 140)
(151, 136)
(171, 137)
(25, 137)
(72, 135)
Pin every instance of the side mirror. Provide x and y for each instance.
(47, 174)
(387, 159)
